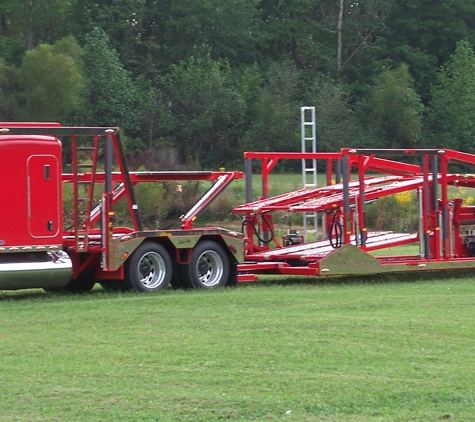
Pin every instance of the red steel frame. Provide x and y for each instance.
(442, 245)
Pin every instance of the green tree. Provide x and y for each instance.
(289, 31)
(24, 24)
(276, 123)
(396, 110)
(451, 112)
(51, 83)
(423, 34)
(8, 92)
(151, 35)
(204, 109)
(111, 93)
(337, 126)
(355, 24)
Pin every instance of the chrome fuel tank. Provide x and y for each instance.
(34, 270)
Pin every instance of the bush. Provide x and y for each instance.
(395, 213)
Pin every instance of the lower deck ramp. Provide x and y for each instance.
(315, 251)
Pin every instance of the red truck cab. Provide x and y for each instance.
(30, 200)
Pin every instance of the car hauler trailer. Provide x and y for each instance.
(356, 178)
(37, 251)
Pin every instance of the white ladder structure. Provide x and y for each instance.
(309, 167)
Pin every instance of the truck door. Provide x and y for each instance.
(44, 201)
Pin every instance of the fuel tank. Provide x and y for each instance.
(34, 270)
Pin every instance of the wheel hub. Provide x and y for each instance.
(145, 269)
(203, 267)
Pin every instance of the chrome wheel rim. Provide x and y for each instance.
(152, 270)
(209, 268)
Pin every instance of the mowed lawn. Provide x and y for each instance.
(344, 351)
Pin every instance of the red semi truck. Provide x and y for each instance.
(37, 251)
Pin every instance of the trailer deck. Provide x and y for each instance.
(343, 243)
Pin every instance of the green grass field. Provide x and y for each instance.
(350, 350)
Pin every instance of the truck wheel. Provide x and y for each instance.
(208, 267)
(148, 269)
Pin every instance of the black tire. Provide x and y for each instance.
(112, 285)
(148, 269)
(208, 267)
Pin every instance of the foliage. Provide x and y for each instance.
(163, 33)
(24, 24)
(51, 82)
(206, 80)
(8, 87)
(276, 121)
(397, 109)
(424, 33)
(399, 213)
(110, 92)
(203, 109)
(451, 112)
(152, 206)
(337, 125)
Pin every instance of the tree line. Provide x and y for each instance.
(196, 83)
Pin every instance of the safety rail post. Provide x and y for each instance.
(361, 203)
(420, 202)
(346, 200)
(330, 172)
(326, 222)
(435, 207)
(426, 206)
(107, 207)
(75, 193)
(265, 178)
(446, 246)
(248, 178)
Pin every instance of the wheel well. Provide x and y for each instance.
(232, 281)
(220, 241)
(165, 242)
(185, 253)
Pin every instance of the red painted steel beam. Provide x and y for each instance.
(155, 176)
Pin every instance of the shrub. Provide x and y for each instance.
(396, 213)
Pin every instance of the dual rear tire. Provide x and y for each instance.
(150, 268)
(208, 267)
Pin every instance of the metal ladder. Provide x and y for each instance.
(309, 167)
(84, 163)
